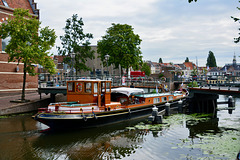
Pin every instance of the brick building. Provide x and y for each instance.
(11, 74)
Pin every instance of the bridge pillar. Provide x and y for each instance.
(203, 103)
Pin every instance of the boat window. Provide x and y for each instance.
(88, 87)
(170, 98)
(103, 87)
(95, 88)
(70, 87)
(164, 99)
(79, 86)
(156, 100)
(108, 89)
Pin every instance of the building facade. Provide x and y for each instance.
(11, 73)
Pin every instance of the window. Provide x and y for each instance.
(164, 99)
(156, 100)
(5, 3)
(103, 87)
(79, 86)
(108, 89)
(5, 42)
(70, 87)
(95, 88)
(170, 98)
(88, 87)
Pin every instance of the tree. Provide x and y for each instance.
(186, 60)
(77, 42)
(194, 72)
(26, 45)
(145, 68)
(160, 60)
(236, 40)
(211, 61)
(122, 45)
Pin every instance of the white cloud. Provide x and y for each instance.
(170, 29)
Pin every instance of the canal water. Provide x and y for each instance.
(180, 137)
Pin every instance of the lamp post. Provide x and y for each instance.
(107, 58)
(72, 55)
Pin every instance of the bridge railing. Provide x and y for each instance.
(217, 80)
(116, 80)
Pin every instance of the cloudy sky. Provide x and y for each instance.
(169, 29)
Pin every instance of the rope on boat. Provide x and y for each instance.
(84, 117)
(94, 115)
(129, 113)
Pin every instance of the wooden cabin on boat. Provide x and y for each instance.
(99, 93)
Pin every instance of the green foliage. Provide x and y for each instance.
(76, 41)
(204, 71)
(146, 69)
(211, 61)
(161, 75)
(160, 60)
(26, 45)
(194, 72)
(236, 40)
(154, 91)
(186, 60)
(193, 84)
(122, 45)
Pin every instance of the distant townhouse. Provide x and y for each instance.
(231, 69)
(96, 67)
(11, 74)
(155, 67)
(189, 66)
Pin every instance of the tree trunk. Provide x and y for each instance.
(24, 82)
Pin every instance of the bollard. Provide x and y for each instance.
(167, 109)
(180, 105)
(154, 114)
(158, 119)
(230, 101)
(154, 111)
(230, 105)
(155, 118)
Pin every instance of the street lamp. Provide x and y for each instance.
(72, 55)
(107, 58)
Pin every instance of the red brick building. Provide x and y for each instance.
(11, 74)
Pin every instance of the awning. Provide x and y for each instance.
(127, 91)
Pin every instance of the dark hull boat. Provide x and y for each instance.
(92, 103)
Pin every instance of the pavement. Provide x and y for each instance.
(7, 107)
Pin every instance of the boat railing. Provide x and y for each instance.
(72, 108)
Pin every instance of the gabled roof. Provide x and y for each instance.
(25, 4)
(190, 65)
(155, 64)
(178, 66)
(228, 66)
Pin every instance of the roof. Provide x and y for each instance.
(190, 65)
(214, 69)
(228, 66)
(127, 91)
(25, 4)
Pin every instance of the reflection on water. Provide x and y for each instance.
(20, 139)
